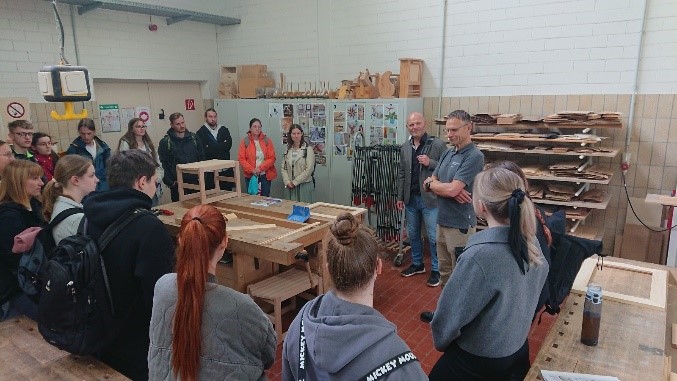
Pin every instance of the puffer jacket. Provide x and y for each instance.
(246, 155)
(238, 340)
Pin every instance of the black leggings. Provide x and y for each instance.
(459, 365)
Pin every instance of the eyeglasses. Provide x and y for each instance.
(455, 129)
(144, 126)
(24, 134)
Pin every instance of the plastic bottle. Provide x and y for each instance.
(592, 314)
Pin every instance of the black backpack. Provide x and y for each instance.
(32, 262)
(75, 311)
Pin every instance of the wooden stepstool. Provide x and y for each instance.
(285, 286)
(200, 168)
(411, 72)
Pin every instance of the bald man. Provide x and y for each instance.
(419, 157)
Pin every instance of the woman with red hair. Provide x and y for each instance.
(199, 329)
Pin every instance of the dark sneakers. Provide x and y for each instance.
(434, 279)
(413, 270)
(427, 316)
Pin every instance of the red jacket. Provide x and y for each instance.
(247, 156)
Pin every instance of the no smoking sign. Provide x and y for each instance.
(16, 110)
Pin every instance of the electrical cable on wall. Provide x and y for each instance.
(627, 195)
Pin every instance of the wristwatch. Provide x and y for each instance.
(427, 185)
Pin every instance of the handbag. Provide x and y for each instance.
(253, 187)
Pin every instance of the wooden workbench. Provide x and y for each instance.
(27, 356)
(257, 253)
(633, 339)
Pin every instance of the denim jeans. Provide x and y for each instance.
(415, 212)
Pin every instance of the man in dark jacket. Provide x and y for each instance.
(179, 146)
(216, 143)
(420, 154)
(135, 259)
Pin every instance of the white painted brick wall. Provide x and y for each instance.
(111, 44)
(492, 47)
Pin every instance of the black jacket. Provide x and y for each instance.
(174, 150)
(14, 218)
(134, 260)
(218, 148)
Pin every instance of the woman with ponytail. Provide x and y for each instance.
(484, 313)
(74, 178)
(339, 335)
(199, 329)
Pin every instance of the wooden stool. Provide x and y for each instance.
(283, 286)
(200, 168)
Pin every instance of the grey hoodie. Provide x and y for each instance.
(345, 341)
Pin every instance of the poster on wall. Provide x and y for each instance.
(126, 114)
(317, 120)
(110, 118)
(143, 113)
(275, 110)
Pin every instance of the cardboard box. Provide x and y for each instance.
(228, 73)
(247, 86)
(642, 244)
(252, 71)
(227, 90)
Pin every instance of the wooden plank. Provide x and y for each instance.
(569, 179)
(661, 199)
(296, 231)
(27, 356)
(631, 342)
(658, 293)
(576, 204)
(613, 152)
(250, 227)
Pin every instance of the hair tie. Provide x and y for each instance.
(197, 219)
(518, 194)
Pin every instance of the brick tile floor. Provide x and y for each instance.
(401, 300)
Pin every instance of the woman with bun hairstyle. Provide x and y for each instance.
(257, 157)
(484, 313)
(199, 329)
(339, 335)
(74, 178)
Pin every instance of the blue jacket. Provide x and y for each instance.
(77, 147)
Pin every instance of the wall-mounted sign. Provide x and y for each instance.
(190, 104)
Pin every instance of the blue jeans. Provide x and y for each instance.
(415, 212)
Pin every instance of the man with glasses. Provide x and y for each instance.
(21, 134)
(452, 182)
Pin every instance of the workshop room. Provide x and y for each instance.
(338, 190)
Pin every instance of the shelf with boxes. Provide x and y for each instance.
(560, 163)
